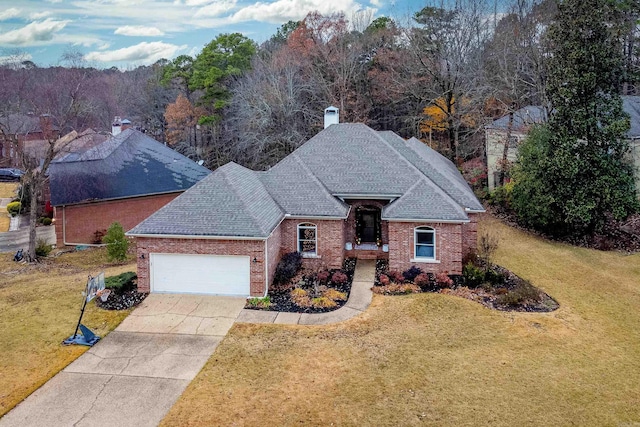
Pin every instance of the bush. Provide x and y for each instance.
(339, 278)
(473, 276)
(323, 302)
(264, 302)
(396, 289)
(523, 293)
(117, 243)
(395, 276)
(300, 297)
(43, 248)
(14, 208)
(334, 295)
(422, 280)
(323, 276)
(384, 279)
(288, 267)
(46, 221)
(411, 273)
(494, 277)
(443, 280)
(122, 282)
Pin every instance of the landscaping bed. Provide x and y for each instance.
(299, 290)
(123, 292)
(492, 286)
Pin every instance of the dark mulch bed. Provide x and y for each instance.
(621, 236)
(281, 299)
(123, 301)
(512, 293)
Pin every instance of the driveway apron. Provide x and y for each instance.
(136, 373)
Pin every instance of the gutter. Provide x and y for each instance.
(444, 221)
(186, 236)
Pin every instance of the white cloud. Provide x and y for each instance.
(53, 1)
(217, 9)
(39, 15)
(145, 52)
(9, 13)
(291, 10)
(193, 2)
(376, 3)
(33, 33)
(139, 31)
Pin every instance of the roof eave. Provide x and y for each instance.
(189, 236)
(446, 221)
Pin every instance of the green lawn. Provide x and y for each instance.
(432, 359)
(39, 307)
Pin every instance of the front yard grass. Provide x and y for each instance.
(433, 359)
(8, 190)
(39, 307)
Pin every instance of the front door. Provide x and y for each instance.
(368, 224)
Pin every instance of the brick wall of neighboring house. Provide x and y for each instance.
(470, 235)
(251, 248)
(448, 247)
(330, 235)
(82, 221)
(274, 251)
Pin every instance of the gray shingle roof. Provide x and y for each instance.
(341, 161)
(522, 119)
(232, 201)
(299, 192)
(128, 165)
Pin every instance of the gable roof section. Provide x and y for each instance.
(424, 197)
(522, 118)
(232, 201)
(299, 192)
(351, 158)
(128, 165)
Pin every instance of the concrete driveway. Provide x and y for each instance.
(135, 374)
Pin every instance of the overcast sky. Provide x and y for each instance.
(127, 33)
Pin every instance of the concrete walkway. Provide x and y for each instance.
(11, 241)
(359, 299)
(137, 372)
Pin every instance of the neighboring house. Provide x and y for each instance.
(347, 192)
(525, 118)
(24, 130)
(124, 178)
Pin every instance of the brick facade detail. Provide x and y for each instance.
(252, 248)
(83, 220)
(330, 235)
(448, 247)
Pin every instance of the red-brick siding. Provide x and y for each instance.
(330, 235)
(274, 246)
(470, 235)
(251, 248)
(448, 247)
(82, 221)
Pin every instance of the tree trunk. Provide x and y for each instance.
(33, 216)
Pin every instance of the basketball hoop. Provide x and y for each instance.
(103, 294)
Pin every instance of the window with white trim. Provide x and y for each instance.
(425, 243)
(307, 239)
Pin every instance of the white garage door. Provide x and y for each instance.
(200, 274)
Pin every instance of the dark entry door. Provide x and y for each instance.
(369, 227)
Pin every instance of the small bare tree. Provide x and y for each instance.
(487, 247)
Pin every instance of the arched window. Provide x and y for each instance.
(425, 243)
(307, 239)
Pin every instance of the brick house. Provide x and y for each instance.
(525, 118)
(24, 131)
(347, 192)
(124, 178)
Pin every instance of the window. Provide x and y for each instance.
(307, 239)
(425, 243)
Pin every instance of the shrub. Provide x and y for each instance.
(323, 276)
(98, 235)
(14, 208)
(264, 302)
(46, 221)
(443, 280)
(422, 280)
(323, 302)
(43, 248)
(288, 267)
(117, 243)
(384, 279)
(334, 295)
(487, 246)
(300, 297)
(339, 278)
(525, 292)
(473, 276)
(396, 276)
(410, 274)
(396, 289)
(494, 277)
(122, 282)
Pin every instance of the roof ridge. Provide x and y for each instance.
(315, 179)
(426, 180)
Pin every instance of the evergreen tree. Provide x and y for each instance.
(578, 174)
